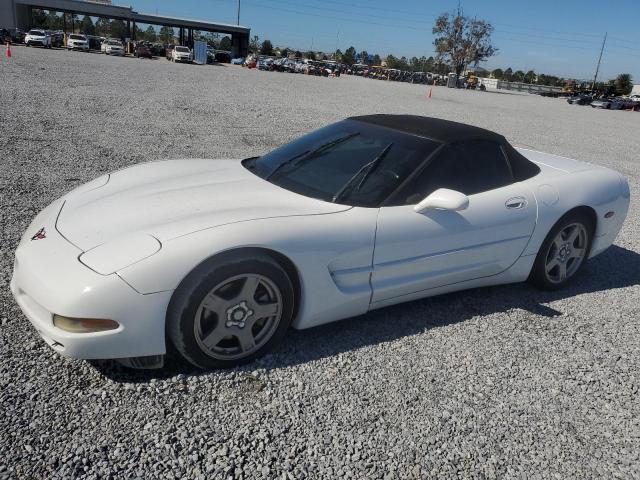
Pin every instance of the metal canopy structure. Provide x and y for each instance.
(17, 14)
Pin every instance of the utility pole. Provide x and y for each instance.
(595, 77)
(238, 12)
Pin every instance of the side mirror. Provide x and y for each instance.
(443, 199)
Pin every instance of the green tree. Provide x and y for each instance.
(54, 21)
(497, 73)
(518, 76)
(390, 61)
(103, 27)
(349, 56)
(225, 43)
(298, 54)
(338, 55)
(138, 34)
(363, 57)
(166, 34)
(530, 76)
(254, 44)
(623, 84)
(118, 29)
(73, 23)
(38, 18)
(266, 48)
(150, 34)
(310, 55)
(376, 60)
(461, 41)
(508, 75)
(86, 26)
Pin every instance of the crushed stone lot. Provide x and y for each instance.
(501, 382)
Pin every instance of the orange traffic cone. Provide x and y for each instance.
(8, 52)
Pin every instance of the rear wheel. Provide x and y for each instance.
(228, 312)
(563, 252)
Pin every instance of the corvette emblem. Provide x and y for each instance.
(40, 234)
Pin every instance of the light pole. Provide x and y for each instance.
(238, 12)
(595, 77)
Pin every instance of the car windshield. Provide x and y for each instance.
(349, 162)
(76, 37)
(182, 49)
(114, 43)
(38, 33)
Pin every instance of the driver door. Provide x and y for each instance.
(416, 252)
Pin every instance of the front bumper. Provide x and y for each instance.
(48, 278)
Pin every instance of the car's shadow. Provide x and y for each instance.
(615, 268)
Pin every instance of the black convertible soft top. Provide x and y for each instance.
(446, 131)
(437, 129)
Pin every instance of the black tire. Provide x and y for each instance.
(539, 276)
(186, 300)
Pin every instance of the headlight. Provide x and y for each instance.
(112, 256)
(84, 325)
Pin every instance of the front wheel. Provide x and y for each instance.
(563, 252)
(228, 312)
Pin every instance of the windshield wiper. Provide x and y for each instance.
(367, 169)
(286, 162)
(307, 154)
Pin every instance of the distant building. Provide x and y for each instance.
(19, 14)
(636, 90)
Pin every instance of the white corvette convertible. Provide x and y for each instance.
(221, 257)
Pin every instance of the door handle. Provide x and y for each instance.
(516, 203)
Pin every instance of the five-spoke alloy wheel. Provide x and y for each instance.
(238, 316)
(230, 310)
(564, 251)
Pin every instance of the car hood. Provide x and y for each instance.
(173, 198)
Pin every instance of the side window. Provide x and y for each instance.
(469, 167)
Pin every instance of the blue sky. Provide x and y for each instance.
(561, 37)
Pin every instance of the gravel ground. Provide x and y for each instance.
(497, 382)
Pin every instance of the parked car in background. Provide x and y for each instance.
(237, 61)
(157, 49)
(112, 46)
(16, 35)
(75, 41)
(265, 63)
(142, 50)
(628, 104)
(223, 57)
(169, 51)
(57, 39)
(602, 103)
(95, 43)
(181, 54)
(635, 98)
(5, 36)
(37, 37)
(580, 100)
(617, 103)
